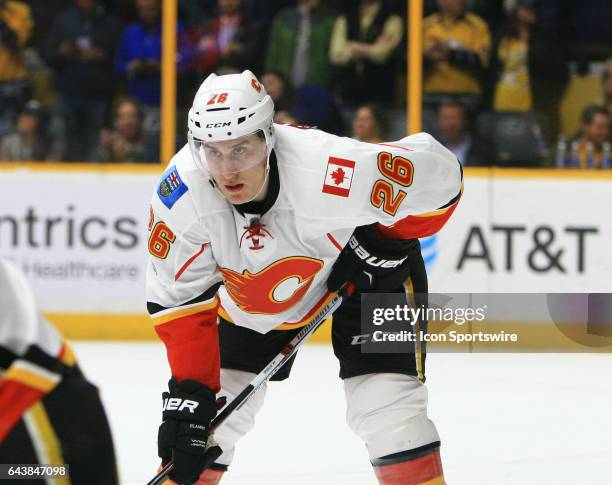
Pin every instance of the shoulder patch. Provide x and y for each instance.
(339, 176)
(171, 187)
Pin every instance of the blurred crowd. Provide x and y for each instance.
(505, 82)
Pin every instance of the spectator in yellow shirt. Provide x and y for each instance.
(15, 29)
(456, 50)
(513, 90)
(529, 64)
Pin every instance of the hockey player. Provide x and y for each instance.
(49, 413)
(252, 226)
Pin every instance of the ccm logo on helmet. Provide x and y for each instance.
(373, 260)
(218, 125)
(178, 404)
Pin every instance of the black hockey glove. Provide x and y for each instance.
(188, 409)
(372, 262)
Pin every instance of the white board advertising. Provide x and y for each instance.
(521, 235)
(80, 236)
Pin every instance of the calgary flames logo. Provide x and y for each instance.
(275, 288)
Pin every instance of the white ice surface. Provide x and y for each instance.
(504, 419)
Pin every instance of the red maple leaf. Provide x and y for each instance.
(338, 175)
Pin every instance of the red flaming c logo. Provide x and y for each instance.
(257, 293)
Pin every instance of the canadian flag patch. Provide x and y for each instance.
(339, 176)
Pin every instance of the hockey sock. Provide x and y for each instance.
(421, 466)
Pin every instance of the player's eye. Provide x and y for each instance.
(240, 151)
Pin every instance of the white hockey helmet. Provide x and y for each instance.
(229, 107)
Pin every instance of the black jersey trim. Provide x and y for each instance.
(6, 357)
(407, 455)
(154, 308)
(38, 356)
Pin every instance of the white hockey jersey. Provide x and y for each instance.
(33, 355)
(274, 266)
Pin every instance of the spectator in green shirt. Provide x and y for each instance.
(299, 44)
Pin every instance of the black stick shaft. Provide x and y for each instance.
(271, 369)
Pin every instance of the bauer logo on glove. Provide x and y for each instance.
(375, 261)
(177, 404)
(372, 262)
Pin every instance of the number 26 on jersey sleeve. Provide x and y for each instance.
(160, 240)
(397, 169)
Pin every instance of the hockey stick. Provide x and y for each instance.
(272, 368)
